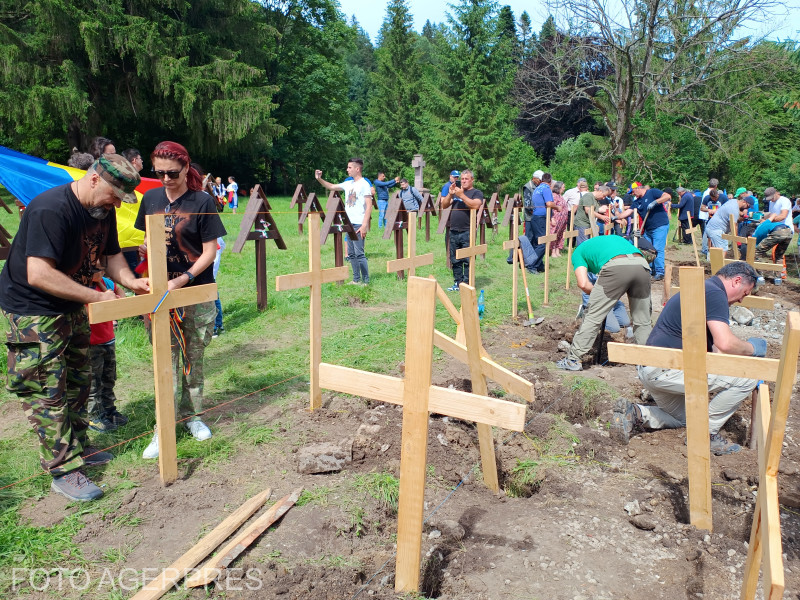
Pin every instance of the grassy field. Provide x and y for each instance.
(259, 358)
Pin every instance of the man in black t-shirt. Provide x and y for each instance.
(44, 287)
(731, 283)
(462, 199)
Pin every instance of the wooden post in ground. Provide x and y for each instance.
(697, 364)
(570, 235)
(313, 279)
(444, 227)
(550, 237)
(338, 223)
(413, 260)
(667, 281)
(258, 216)
(298, 199)
(765, 535)
(427, 208)
(472, 250)
(509, 204)
(512, 245)
(418, 398)
(312, 204)
(691, 231)
(397, 219)
(158, 304)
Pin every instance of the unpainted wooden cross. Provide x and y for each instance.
(413, 260)
(717, 259)
(765, 533)
(690, 231)
(513, 245)
(418, 397)
(696, 364)
(157, 304)
(735, 239)
(547, 239)
(313, 279)
(570, 235)
(472, 250)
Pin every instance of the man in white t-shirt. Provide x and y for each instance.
(704, 215)
(573, 195)
(780, 235)
(358, 206)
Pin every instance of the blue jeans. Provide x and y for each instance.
(458, 240)
(538, 228)
(218, 319)
(358, 260)
(382, 206)
(658, 237)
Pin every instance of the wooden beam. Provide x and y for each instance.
(512, 245)
(693, 324)
(472, 331)
(759, 302)
(133, 306)
(217, 565)
(454, 313)
(547, 238)
(181, 567)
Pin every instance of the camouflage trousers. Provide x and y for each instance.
(196, 328)
(103, 362)
(48, 369)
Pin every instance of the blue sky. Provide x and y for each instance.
(371, 14)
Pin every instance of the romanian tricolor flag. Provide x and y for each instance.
(25, 177)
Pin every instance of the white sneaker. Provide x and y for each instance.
(200, 430)
(152, 448)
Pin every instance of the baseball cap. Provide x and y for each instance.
(537, 174)
(635, 185)
(115, 170)
(750, 202)
(738, 191)
(611, 185)
(455, 173)
(769, 193)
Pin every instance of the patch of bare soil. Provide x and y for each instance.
(592, 520)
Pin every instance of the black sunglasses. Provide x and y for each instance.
(170, 174)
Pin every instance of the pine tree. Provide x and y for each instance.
(392, 116)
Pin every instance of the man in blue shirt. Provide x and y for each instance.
(650, 204)
(685, 207)
(382, 192)
(541, 199)
(454, 175)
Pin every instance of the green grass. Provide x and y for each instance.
(384, 487)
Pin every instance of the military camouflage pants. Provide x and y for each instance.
(197, 327)
(103, 361)
(48, 369)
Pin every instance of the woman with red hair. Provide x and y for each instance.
(193, 226)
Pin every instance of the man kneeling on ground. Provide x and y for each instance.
(622, 269)
(732, 282)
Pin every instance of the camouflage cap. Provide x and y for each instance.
(120, 174)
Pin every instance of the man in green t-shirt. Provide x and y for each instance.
(586, 212)
(622, 269)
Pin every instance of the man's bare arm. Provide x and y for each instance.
(726, 342)
(42, 274)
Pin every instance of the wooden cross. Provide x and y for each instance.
(696, 364)
(765, 533)
(513, 245)
(484, 218)
(716, 256)
(413, 261)
(550, 237)
(444, 227)
(472, 250)
(690, 231)
(493, 207)
(418, 397)
(734, 240)
(258, 215)
(568, 236)
(418, 163)
(298, 199)
(339, 223)
(312, 204)
(397, 219)
(509, 204)
(313, 279)
(157, 304)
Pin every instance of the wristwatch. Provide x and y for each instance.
(190, 276)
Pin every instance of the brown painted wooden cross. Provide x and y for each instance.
(257, 215)
(298, 199)
(513, 245)
(338, 223)
(472, 250)
(696, 364)
(157, 304)
(427, 208)
(313, 279)
(418, 397)
(413, 260)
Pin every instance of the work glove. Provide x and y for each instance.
(759, 346)
(651, 205)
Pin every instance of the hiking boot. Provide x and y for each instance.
(216, 333)
(101, 424)
(117, 418)
(94, 457)
(152, 448)
(721, 446)
(569, 364)
(200, 430)
(659, 277)
(626, 420)
(76, 486)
